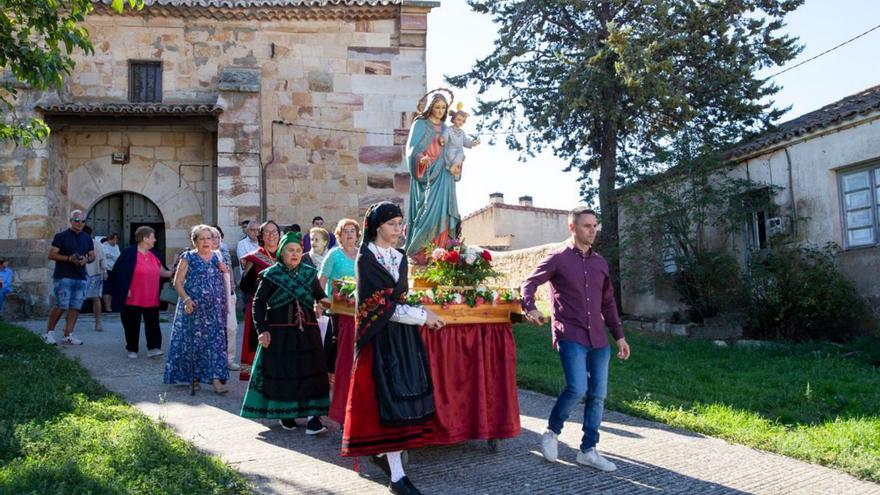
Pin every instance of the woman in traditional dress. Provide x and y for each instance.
(254, 263)
(339, 263)
(197, 352)
(391, 399)
(289, 376)
(433, 204)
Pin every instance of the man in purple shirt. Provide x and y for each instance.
(582, 298)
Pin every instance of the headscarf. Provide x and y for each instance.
(292, 283)
(287, 239)
(377, 214)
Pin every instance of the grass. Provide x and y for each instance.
(804, 401)
(61, 432)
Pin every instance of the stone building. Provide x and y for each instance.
(827, 166)
(503, 227)
(218, 111)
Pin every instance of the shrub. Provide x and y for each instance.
(796, 293)
(708, 283)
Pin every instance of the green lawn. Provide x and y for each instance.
(805, 401)
(62, 433)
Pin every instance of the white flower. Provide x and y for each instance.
(458, 299)
(470, 258)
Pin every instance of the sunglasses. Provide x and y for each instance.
(76, 220)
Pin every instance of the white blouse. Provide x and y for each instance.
(390, 259)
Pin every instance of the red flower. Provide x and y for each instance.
(452, 257)
(486, 255)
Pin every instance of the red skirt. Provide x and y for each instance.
(473, 367)
(344, 360)
(363, 434)
(247, 354)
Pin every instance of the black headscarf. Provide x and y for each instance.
(377, 214)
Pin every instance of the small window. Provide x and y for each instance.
(860, 203)
(144, 82)
(756, 205)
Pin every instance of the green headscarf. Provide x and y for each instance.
(287, 239)
(293, 283)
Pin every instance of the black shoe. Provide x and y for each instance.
(288, 424)
(403, 486)
(382, 462)
(315, 426)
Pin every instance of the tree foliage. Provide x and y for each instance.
(609, 84)
(37, 39)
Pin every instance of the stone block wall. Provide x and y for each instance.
(173, 166)
(518, 265)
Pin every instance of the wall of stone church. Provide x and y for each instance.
(173, 166)
(339, 74)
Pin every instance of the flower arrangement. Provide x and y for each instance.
(474, 297)
(344, 292)
(459, 265)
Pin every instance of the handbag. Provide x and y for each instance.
(168, 293)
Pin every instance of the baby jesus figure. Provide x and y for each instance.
(454, 140)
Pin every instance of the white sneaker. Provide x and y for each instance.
(550, 445)
(132, 355)
(71, 340)
(49, 338)
(233, 367)
(593, 459)
(154, 352)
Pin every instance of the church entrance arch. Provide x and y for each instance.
(123, 213)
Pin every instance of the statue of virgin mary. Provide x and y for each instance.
(433, 205)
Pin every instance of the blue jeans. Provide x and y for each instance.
(3, 292)
(586, 373)
(69, 293)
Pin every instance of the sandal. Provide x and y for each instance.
(219, 389)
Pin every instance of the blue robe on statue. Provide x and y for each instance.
(433, 204)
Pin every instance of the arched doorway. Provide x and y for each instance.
(123, 213)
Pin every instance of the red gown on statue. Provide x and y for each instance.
(259, 261)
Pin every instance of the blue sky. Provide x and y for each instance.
(458, 36)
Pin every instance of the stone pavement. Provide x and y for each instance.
(651, 457)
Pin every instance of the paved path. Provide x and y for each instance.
(651, 458)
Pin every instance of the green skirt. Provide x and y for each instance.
(256, 405)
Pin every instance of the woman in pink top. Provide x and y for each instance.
(138, 273)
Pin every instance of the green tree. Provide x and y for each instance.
(608, 84)
(37, 39)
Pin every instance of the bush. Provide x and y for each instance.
(796, 293)
(709, 284)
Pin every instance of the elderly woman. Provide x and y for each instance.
(392, 397)
(136, 277)
(289, 376)
(254, 263)
(319, 240)
(339, 343)
(197, 352)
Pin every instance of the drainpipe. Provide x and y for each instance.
(794, 219)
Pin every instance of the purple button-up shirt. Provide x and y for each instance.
(581, 293)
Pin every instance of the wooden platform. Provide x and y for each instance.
(457, 313)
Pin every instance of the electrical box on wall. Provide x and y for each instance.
(120, 157)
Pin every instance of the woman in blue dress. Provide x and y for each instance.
(197, 353)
